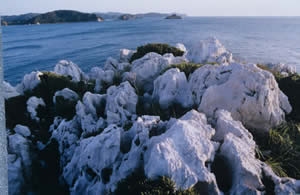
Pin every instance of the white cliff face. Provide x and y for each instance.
(172, 88)
(209, 51)
(121, 103)
(149, 67)
(68, 68)
(67, 94)
(182, 151)
(29, 82)
(9, 91)
(32, 104)
(250, 94)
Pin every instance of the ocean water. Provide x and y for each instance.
(250, 39)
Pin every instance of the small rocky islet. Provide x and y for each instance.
(158, 120)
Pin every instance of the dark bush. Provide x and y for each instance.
(16, 111)
(65, 108)
(290, 86)
(281, 149)
(159, 48)
(51, 82)
(137, 184)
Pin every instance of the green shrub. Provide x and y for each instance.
(51, 82)
(159, 48)
(281, 149)
(187, 68)
(138, 184)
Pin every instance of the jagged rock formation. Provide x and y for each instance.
(107, 136)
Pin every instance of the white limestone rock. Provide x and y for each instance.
(182, 151)
(172, 88)
(8, 90)
(126, 54)
(68, 68)
(282, 68)
(92, 158)
(32, 104)
(66, 133)
(149, 67)
(19, 163)
(29, 82)
(67, 94)
(181, 47)
(250, 94)
(121, 103)
(283, 185)
(89, 112)
(115, 65)
(209, 50)
(246, 169)
(225, 124)
(101, 77)
(22, 130)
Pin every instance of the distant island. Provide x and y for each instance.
(174, 16)
(59, 16)
(66, 16)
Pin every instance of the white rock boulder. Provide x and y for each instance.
(172, 88)
(209, 50)
(29, 82)
(149, 67)
(22, 130)
(67, 94)
(68, 68)
(282, 68)
(250, 94)
(126, 54)
(121, 103)
(182, 151)
(246, 169)
(32, 104)
(89, 113)
(9, 91)
(101, 77)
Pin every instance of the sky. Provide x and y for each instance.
(189, 7)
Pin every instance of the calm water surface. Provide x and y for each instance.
(40, 47)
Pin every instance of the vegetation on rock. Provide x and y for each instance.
(159, 48)
(137, 184)
(280, 149)
(186, 67)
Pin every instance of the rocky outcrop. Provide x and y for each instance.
(148, 68)
(281, 68)
(68, 68)
(209, 51)
(121, 103)
(181, 153)
(67, 94)
(29, 82)
(249, 93)
(171, 88)
(106, 137)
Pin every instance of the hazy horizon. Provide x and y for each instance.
(191, 8)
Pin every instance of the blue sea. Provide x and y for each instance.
(40, 47)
